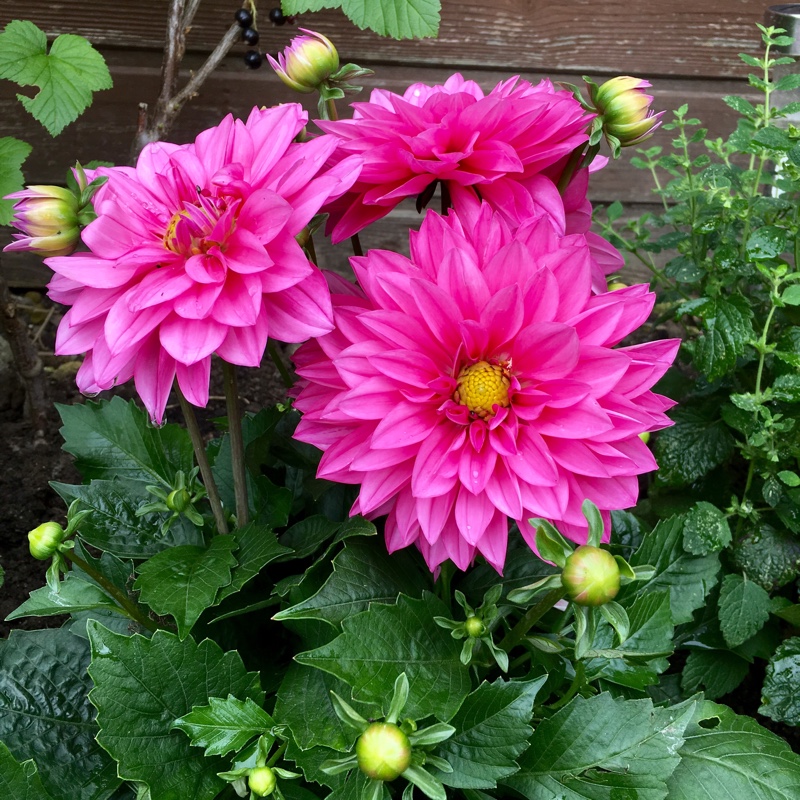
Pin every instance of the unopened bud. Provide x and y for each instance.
(625, 109)
(44, 540)
(47, 217)
(383, 751)
(645, 437)
(591, 576)
(475, 627)
(261, 781)
(178, 500)
(307, 62)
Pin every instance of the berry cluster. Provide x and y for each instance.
(249, 35)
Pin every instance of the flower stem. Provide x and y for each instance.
(330, 105)
(237, 443)
(202, 461)
(532, 616)
(124, 602)
(276, 755)
(356, 242)
(574, 687)
(272, 349)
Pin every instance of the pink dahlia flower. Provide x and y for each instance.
(497, 143)
(477, 382)
(193, 252)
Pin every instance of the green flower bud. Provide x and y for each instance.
(591, 576)
(475, 627)
(178, 500)
(47, 218)
(261, 781)
(625, 109)
(383, 751)
(307, 62)
(44, 540)
(645, 437)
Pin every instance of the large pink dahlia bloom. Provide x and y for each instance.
(497, 143)
(193, 252)
(479, 381)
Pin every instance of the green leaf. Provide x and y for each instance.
(768, 556)
(184, 581)
(492, 730)
(142, 686)
(692, 447)
(225, 725)
(717, 672)
(781, 701)
(13, 153)
(688, 578)
(66, 76)
(739, 104)
(705, 530)
(791, 295)
(113, 525)
(743, 609)
(363, 573)
(304, 703)
(767, 241)
(257, 547)
(726, 755)
(651, 626)
(114, 439)
(728, 328)
(400, 19)
(43, 709)
(380, 643)
(19, 781)
(787, 389)
(603, 747)
(73, 595)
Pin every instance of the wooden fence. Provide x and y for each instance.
(687, 48)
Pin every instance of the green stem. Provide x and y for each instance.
(272, 349)
(275, 757)
(124, 602)
(330, 105)
(237, 443)
(574, 162)
(202, 461)
(312, 251)
(574, 687)
(445, 576)
(531, 617)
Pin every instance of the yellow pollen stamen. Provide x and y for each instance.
(481, 386)
(169, 236)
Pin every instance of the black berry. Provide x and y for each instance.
(250, 35)
(276, 17)
(253, 59)
(243, 17)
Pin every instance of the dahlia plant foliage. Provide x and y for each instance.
(430, 579)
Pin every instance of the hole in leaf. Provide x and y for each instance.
(711, 722)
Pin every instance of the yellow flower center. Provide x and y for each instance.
(170, 238)
(481, 386)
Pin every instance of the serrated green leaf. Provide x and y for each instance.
(692, 447)
(115, 440)
(705, 530)
(492, 731)
(142, 686)
(400, 19)
(726, 755)
(43, 706)
(728, 329)
(184, 581)
(73, 595)
(304, 703)
(13, 153)
(257, 547)
(716, 672)
(363, 573)
(603, 748)
(66, 76)
(739, 104)
(743, 609)
(768, 241)
(688, 578)
(380, 643)
(791, 295)
(780, 698)
(768, 556)
(787, 388)
(113, 525)
(225, 725)
(19, 781)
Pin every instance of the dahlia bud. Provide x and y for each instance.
(307, 62)
(44, 540)
(591, 576)
(475, 627)
(625, 108)
(261, 781)
(178, 500)
(645, 437)
(383, 751)
(47, 217)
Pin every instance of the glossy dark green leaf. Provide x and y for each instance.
(705, 530)
(743, 609)
(380, 643)
(492, 731)
(715, 672)
(115, 440)
(73, 595)
(44, 710)
(142, 686)
(184, 581)
(780, 696)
